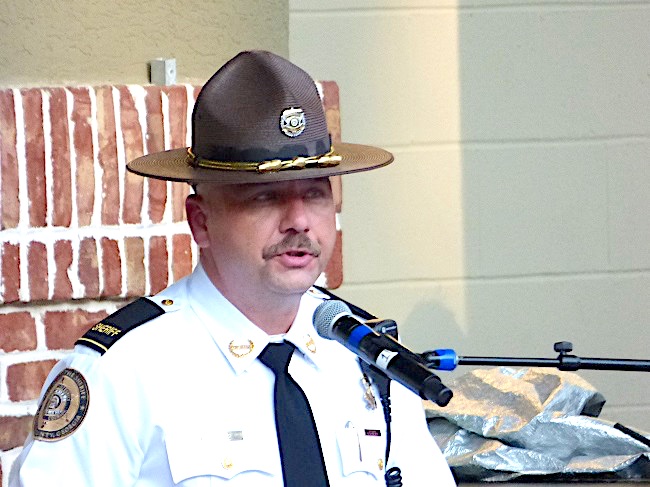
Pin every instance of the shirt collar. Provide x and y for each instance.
(240, 340)
(302, 333)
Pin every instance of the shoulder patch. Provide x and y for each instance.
(63, 408)
(108, 331)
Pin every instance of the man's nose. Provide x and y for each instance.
(295, 215)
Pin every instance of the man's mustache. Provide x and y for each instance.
(292, 242)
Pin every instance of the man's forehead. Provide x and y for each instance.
(241, 189)
(294, 183)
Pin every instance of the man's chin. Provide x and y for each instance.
(295, 282)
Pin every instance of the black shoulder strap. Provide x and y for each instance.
(355, 309)
(108, 331)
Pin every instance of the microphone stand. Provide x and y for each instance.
(446, 359)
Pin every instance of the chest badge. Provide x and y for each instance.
(241, 348)
(368, 395)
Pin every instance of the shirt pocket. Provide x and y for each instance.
(362, 448)
(229, 456)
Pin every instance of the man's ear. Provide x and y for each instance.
(197, 219)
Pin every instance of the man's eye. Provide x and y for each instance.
(264, 197)
(315, 193)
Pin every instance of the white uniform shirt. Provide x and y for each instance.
(183, 400)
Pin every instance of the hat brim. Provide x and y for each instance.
(174, 165)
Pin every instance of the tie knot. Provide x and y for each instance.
(276, 356)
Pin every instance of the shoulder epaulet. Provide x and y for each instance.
(108, 331)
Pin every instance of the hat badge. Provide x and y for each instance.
(292, 122)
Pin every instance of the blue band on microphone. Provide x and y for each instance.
(448, 358)
(357, 335)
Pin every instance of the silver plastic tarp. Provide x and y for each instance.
(503, 423)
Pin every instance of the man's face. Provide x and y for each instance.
(263, 238)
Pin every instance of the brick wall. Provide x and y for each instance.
(79, 235)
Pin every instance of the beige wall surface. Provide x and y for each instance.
(516, 213)
(62, 42)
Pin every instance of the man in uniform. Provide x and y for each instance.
(184, 388)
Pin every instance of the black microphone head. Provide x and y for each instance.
(326, 315)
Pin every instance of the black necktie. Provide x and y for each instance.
(302, 458)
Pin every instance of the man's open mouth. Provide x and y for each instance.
(298, 253)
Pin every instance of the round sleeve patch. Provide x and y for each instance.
(63, 407)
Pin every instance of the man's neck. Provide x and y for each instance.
(273, 313)
(273, 316)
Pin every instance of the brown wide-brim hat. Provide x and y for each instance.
(259, 119)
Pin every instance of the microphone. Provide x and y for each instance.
(334, 320)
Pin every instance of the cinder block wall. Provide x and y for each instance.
(516, 213)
